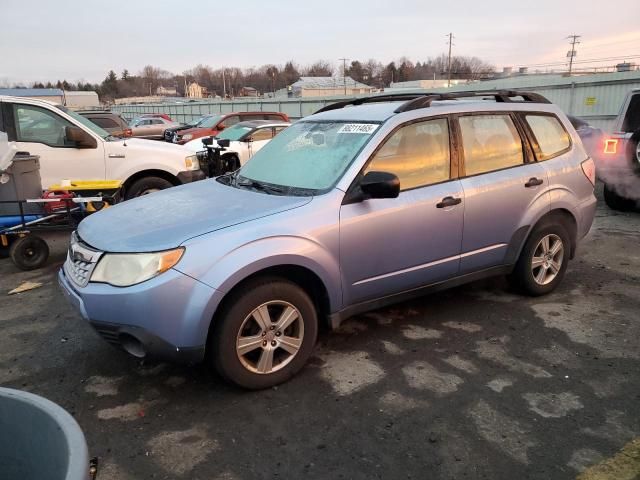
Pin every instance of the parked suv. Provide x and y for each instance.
(345, 211)
(211, 125)
(619, 162)
(72, 147)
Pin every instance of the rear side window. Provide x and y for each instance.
(262, 134)
(417, 153)
(550, 135)
(273, 117)
(490, 142)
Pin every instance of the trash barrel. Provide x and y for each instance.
(39, 440)
(19, 182)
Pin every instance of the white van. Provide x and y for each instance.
(72, 147)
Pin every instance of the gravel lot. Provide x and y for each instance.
(476, 382)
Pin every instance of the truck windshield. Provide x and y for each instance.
(308, 156)
(87, 123)
(209, 122)
(234, 133)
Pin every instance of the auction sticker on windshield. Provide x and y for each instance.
(366, 128)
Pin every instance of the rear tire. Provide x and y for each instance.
(543, 260)
(265, 333)
(145, 186)
(29, 252)
(616, 201)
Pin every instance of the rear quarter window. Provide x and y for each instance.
(549, 134)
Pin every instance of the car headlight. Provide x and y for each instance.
(126, 269)
(191, 162)
(188, 136)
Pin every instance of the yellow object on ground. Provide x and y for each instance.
(89, 185)
(624, 465)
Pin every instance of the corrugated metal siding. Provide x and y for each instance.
(574, 95)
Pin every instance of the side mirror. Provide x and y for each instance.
(221, 127)
(127, 132)
(81, 138)
(380, 185)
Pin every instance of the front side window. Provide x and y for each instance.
(209, 121)
(231, 120)
(418, 154)
(262, 134)
(550, 135)
(36, 124)
(308, 155)
(490, 142)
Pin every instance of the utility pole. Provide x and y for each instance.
(224, 86)
(572, 53)
(449, 62)
(344, 73)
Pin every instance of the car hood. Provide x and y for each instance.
(165, 219)
(197, 131)
(148, 147)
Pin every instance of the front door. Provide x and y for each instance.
(41, 132)
(391, 245)
(502, 184)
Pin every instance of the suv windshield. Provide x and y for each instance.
(209, 122)
(87, 123)
(309, 156)
(234, 133)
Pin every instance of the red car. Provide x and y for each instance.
(211, 125)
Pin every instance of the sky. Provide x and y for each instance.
(42, 40)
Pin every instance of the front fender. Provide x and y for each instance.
(230, 269)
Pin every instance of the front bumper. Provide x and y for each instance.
(167, 317)
(189, 176)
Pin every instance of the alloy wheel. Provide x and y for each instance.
(270, 337)
(547, 259)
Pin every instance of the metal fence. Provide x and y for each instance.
(594, 98)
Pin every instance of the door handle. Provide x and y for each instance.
(534, 182)
(448, 202)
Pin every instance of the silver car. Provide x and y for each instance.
(363, 204)
(151, 127)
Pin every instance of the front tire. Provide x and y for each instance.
(145, 186)
(543, 260)
(265, 334)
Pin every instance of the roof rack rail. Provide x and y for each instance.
(414, 101)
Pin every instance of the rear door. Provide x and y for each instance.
(503, 187)
(392, 245)
(41, 131)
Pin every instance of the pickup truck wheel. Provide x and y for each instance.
(29, 252)
(615, 201)
(265, 335)
(145, 186)
(543, 260)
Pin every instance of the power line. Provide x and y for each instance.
(572, 53)
(592, 60)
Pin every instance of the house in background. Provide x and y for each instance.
(248, 92)
(167, 91)
(196, 91)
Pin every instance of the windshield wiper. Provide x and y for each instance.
(256, 185)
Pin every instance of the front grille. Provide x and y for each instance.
(81, 260)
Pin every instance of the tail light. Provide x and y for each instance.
(589, 169)
(611, 146)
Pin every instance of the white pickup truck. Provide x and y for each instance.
(72, 147)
